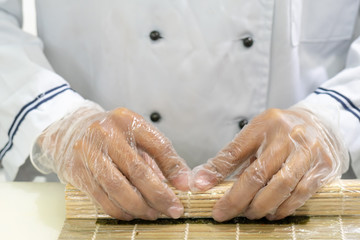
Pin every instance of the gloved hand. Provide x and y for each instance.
(281, 158)
(116, 157)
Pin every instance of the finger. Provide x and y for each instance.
(250, 182)
(151, 162)
(115, 185)
(269, 198)
(158, 147)
(308, 185)
(156, 193)
(243, 147)
(237, 173)
(101, 198)
(84, 181)
(161, 150)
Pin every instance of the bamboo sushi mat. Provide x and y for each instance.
(332, 213)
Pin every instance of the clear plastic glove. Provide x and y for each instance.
(116, 157)
(280, 159)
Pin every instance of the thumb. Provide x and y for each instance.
(224, 163)
(205, 177)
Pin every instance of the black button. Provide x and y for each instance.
(155, 35)
(155, 117)
(248, 42)
(242, 123)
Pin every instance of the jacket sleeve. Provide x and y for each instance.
(337, 103)
(32, 96)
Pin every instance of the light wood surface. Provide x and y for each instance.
(31, 211)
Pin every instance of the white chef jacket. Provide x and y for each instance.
(214, 63)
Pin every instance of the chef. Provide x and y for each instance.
(118, 97)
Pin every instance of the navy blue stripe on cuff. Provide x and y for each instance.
(347, 108)
(342, 95)
(28, 104)
(25, 111)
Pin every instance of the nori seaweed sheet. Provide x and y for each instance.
(240, 220)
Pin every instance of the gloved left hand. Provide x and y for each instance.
(117, 158)
(283, 157)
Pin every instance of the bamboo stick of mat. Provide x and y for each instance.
(315, 227)
(341, 197)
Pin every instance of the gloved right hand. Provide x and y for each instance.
(282, 157)
(117, 158)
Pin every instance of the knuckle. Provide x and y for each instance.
(218, 170)
(137, 170)
(328, 163)
(275, 117)
(172, 169)
(260, 208)
(302, 190)
(256, 177)
(286, 184)
(166, 149)
(112, 183)
(121, 112)
(78, 145)
(321, 155)
(124, 113)
(317, 146)
(298, 132)
(233, 150)
(274, 113)
(126, 119)
(96, 129)
(161, 198)
(121, 116)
